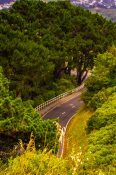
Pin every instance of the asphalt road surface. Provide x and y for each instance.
(65, 111)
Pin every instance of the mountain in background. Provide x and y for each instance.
(6, 4)
(105, 7)
(107, 4)
(5, 1)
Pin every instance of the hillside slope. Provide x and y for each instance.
(108, 4)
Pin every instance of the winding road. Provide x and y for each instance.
(64, 111)
(65, 108)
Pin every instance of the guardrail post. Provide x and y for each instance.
(41, 106)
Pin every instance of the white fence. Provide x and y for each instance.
(43, 105)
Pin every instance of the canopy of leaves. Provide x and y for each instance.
(4, 85)
(19, 119)
(103, 76)
(37, 38)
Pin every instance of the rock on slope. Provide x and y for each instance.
(108, 4)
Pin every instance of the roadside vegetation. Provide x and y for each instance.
(33, 162)
(101, 127)
(39, 45)
(91, 135)
(76, 137)
(19, 119)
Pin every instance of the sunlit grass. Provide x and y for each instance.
(76, 140)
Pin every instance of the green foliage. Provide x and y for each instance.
(101, 127)
(101, 153)
(37, 39)
(100, 156)
(34, 162)
(104, 115)
(105, 135)
(64, 84)
(38, 163)
(18, 119)
(101, 97)
(103, 76)
(4, 85)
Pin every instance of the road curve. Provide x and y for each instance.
(66, 110)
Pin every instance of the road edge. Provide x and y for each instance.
(65, 129)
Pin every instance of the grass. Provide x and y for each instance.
(76, 140)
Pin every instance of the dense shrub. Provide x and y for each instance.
(103, 77)
(101, 127)
(18, 119)
(101, 97)
(101, 155)
(104, 115)
(33, 162)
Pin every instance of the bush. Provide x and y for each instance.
(63, 85)
(19, 119)
(104, 115)
(103, 77)
(101, 97)
(101, 154)
(40, 163)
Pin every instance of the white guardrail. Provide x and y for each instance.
(43, 105)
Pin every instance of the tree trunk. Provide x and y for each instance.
(18, 94)
(84, 76)
(81, 76)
